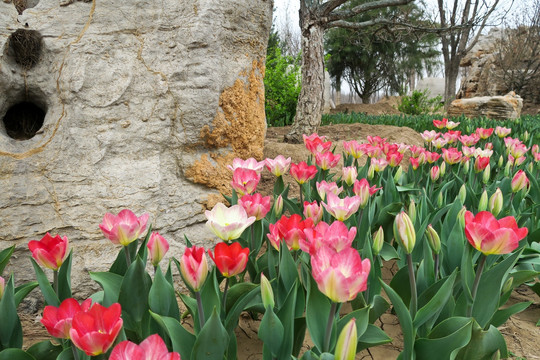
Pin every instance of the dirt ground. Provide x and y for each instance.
(520, 331)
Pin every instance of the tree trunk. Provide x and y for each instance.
(310, 104)
(451, 74)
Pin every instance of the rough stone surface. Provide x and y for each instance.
(435, 86)
(493, 107)
(145, 103)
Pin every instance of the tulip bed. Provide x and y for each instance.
(461, 222)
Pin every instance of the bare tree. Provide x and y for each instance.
(463, 21)
(315, 17)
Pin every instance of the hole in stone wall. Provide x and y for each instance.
(22, 5)
(23, 120)
(25, 47)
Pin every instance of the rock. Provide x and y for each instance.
(493, 107)
(435, 86)
(144, 103)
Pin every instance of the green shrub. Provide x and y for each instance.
(419, 103)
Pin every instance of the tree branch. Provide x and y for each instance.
(372, 5)
(328, 6)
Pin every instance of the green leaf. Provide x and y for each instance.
(161, 298)
(23, 290)
(212, 341)
(317, 313)
(502, 315)
(181, 339)
(45, 286)
(111, 283)
(288, 274)
(378, 307)
(15, 354)
(5, 255)
(45, 350)
(210, 294)
(11, 335)
(445, 341)
(484, 344)
(361, 317)
(133, 296)
(437, 302)
(271, 332)
(241, 300)
(64, 279)
(373, 336)
(405, 321)
(119, 265)
(286, 316)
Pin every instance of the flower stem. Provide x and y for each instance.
(200, 309)
(128, 256)
(252, 239)
(55, 281)
(301, 199)
(75, 352)
(412, 281)
(224, 301)
(328, 331)
(436, 266)
(479, 271)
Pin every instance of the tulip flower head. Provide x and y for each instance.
(231, 259)
(288, 229)
(278, 166)
(157, 248)
(404, 232)
(452, 156)
(245, 181)
(452, 125)
(379, 164)
(347, 342)
(49, 252)
(194, 267)
(469, 140)
(302, 172)
(362, 189)
(94, 331)
(491, 236)
(349, 174)
(378, 241)
(123, 228)
(520, 181)
(57, 320)
(496, 202)
(250, 164)
(228, 223)
(434, 240)
(340, 275)
(341, 209)
(440, 124)
(480, 163)
(327, 160)
(484, 133)
(324, 187)
(151, 348)
(255, 205)
(502, 131)
(313, 211)
(429, 136)
(435, 172)
(317, 144)
(267, 294)
(335, 236)
(394, 158)
(354, 149)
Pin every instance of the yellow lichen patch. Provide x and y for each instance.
(239, 124)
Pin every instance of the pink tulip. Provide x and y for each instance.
(415, 163)
(509, 142)
(354, 149)
(394, 158)
(440, 124)
(373, 151)
(123, 228)
(439, 142)
(416, 151)
(480, 163)
(194, 267)
(468, 151)
(376, 140)
(431, 157)
(278, 166)
(520, 181)
(518, 150)
(50, 251)
(429, 136)
(323, 188)
(452, 125)
(250, 164)
(288, 229)
(327, 160)
(435, 172)
(228, 223)
(313, 211)
(245, 181)
(452, 156)
(57, 320)
(491, 236)
(336, 236)
(502, 131)
(484, 133)
(362, 189)
(349, 174)
(152, 348)
(340, 275)
(341, 209)
(255, 205)
(469, 140)
(157, 248)
(302, 172)
(379, 164)
(452, 136)
(535, 149)
(317, 144)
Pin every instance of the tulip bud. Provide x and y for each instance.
(434, 240)
(267, 294)
(2, 285)
(500, 162)
(462, 193)
(530, 167)
(496, 202)
(486, 175)
(397, 175)
(349, 174)
(442, 169)
(371, 172)
(466, 166)
(412, 211)
(483, 203)
(508, 285)
(435, 173)
(440, 200)
(347, 341)
(278, 206)
(404, 232)
(378, 241)
(157, 248)
(461, 217)
(507, 168)
(520, 181)
(526, 136)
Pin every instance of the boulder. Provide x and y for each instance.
(494, 107)
(135, 104)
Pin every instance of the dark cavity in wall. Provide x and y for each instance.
(23, 120)
(25, 47)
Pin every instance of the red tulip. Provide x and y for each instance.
(484, 133)
(123, 228)
(245, 181)
(302, 172)
(440, 124)
(152, 348)
(394, 158)
(336, 236)
(194, 267)
(231, 259)
(49, 251)
(315, 143)
(255, 205)
(57, 320)
(491, 236)
(95, 330)
(290, 230)
(481, 163)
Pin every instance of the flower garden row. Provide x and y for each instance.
(462, 224)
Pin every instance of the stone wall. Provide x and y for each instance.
(144, 103)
